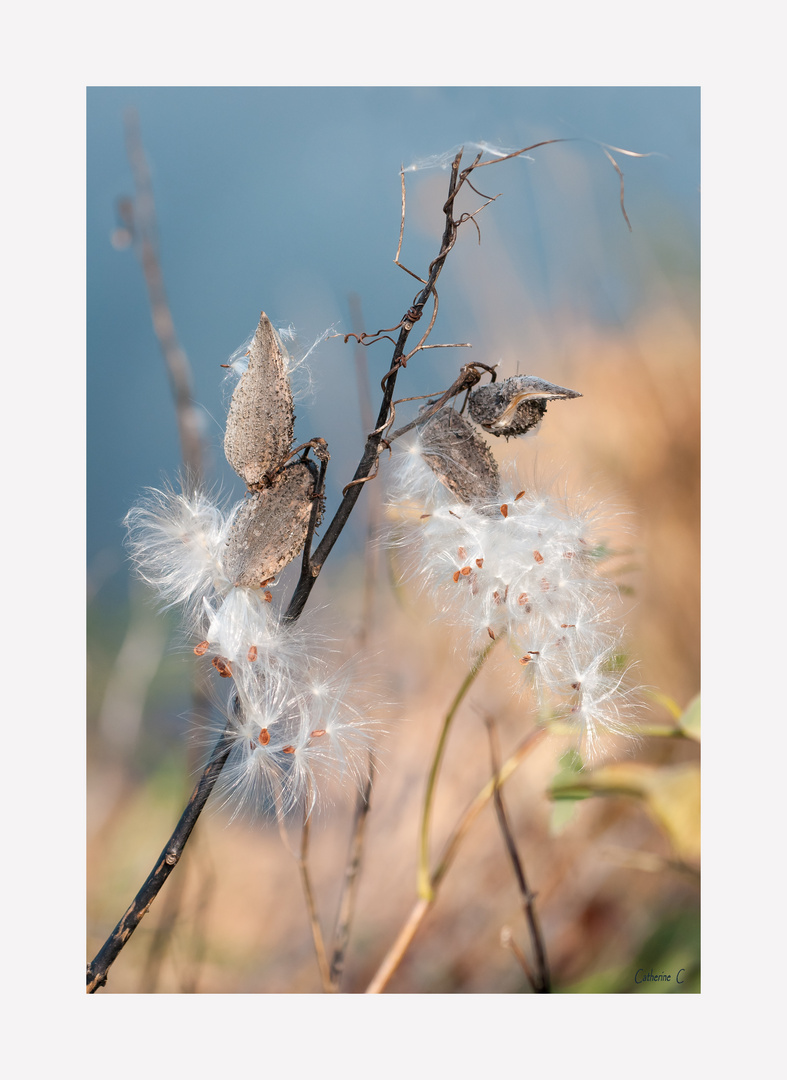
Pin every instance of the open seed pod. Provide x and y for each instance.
(514, 406)
(460, 458)
(270, 528)
(261, 420)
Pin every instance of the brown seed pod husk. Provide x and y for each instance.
(514, 406)
(270, 528)
(261, 420)
(459, 457)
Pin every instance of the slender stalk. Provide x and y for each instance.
(395, 954)
(314, 921)
(541, 982)
(369, 458)
(424, 880)
(344, 918)
(145, 230)
(166, 862)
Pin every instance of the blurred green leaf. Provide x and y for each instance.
(669, 703)
(562, 814)
(673, 949)
(690, 720)
(671, 795)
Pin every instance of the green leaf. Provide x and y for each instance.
(690, 720)
(562, 814)
(670, 704)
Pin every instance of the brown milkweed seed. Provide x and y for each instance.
(288, 749)
(265, 736)
(223, 666)
(465, 571)
(491, 632)
(538, 556)
(319, 731)
(202, 648)
(251, 656)
(504, 510)
(457, 574)
(479, 563)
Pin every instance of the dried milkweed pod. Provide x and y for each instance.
(459, 457)
(261, 420)
(270, 528)
(514, 406)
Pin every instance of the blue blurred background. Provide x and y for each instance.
(288, 200)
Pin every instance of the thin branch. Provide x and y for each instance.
(401, 236)
(395, 954)
(162, 935)
(508, 942)
(369, 459)
(620, 174)
(311, 907)
(540, 984)
(97, 970)
(167, 860)
(178, 368)
(468, 377)
(341, 934)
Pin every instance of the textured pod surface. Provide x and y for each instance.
(514, 406)
(270, 528)
(261, 420)
(460, 457)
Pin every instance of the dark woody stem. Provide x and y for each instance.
(165, 864)
(371, 451)
(97, 970)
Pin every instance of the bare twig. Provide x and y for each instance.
(408, 931)
(311, 907)
(178, 368)
(162, 935)
(369, 460)
(97, 970)
(401, 236)
(166, 862)
(540, 982)
(468, 377)
(341, 934)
